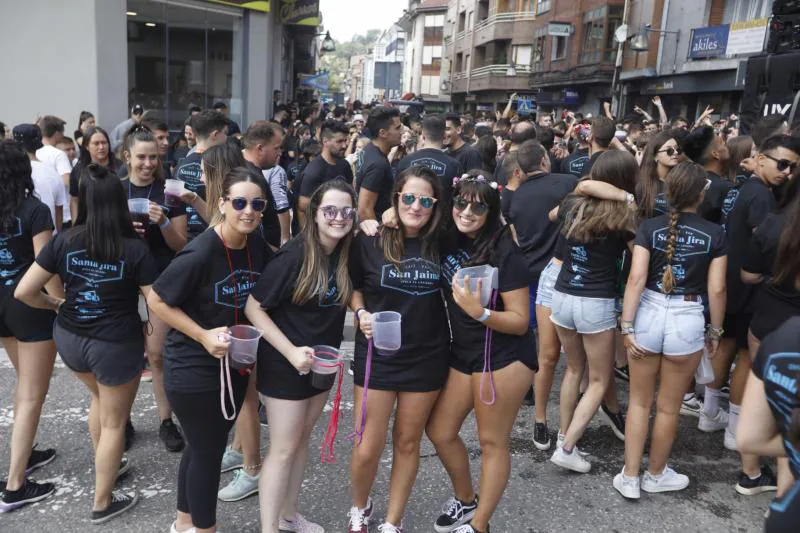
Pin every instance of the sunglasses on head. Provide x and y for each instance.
(331, 211)
(671, 151)
(782, 164)
(409, 198)
(477, 208)
(239, 203)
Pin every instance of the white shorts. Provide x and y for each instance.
(584, 315)
(670, 325)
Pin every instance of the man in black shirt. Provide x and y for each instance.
(574, 162)
(466, 154)
(330, 166)
(233, 127)
(520, 132)
(431, 155)
(600, 137)
(375, 179)
(262, 149)
(709, 150)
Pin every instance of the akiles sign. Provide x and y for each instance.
(709, 42)
(300, 12)
(738, 38)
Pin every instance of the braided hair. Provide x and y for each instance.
(685, 183)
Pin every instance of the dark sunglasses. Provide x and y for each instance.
(239, 203)
(671, 151)
(477, 208)
(330, 212)
(782, 164)
(409, 198)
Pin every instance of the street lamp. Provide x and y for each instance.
(639, 42)
(328, 45)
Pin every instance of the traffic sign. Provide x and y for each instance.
(524, 106)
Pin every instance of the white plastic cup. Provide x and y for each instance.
(172, 192)
(325, 364)
(486, 274)
(386, 332)
(243, 349)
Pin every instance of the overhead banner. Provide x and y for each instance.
(300, 12)
(255, 5)
(318, 82)
(747, 37)
(728, 40)
(711, 41)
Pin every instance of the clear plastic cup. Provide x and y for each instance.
(140, 210)
(243, 349)
(172, 192)
(325, 365)
(386, 332)
(486, 274)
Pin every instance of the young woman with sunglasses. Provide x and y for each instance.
(200, 295)
(494, 385)
(165, 234)
(584, 301)
(660, 156)
(104, 265)
(300, 302)
(398, 270)
(677, 259)
(26, 333)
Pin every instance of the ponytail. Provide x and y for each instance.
(668, 280)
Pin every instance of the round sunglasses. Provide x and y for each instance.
(239, 203)
(330, 212)
(409, 198)
(477, 208)
(671, 151)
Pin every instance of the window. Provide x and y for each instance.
(542, 7)
(469, 20)
(741, 10)
(538, 51)
(430, 84)
(433, 21)
(521, 55)
(560, 45)
(431, 55)
(434, 28)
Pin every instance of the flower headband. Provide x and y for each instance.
(480, 178)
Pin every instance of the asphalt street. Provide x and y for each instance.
(540, 497)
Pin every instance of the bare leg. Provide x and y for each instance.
(365, 457)
(154, 344)
(549, 353)
(576, 364)
(248, 429)
(644, 373)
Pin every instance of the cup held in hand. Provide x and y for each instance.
(386, 332)
(243, 349)
(325, 364)
(487, 275)
(172, 192)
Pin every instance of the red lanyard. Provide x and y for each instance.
(233, 275)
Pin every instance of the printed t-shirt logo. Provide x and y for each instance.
(577, 164)
(94, 272)
(190, 174)
(727, 206)
(6, 257)
(415, 276)
(226, 294)
(330, 298)
(452, 263)
(11, 231)
(437, 167)
(690, 241)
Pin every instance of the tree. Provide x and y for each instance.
(338, 63)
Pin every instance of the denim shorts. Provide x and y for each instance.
(670, 325)
(584, 315)
(547, 284)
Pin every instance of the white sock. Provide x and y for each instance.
(733, 418)
(711, 402)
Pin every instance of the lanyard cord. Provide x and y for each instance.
(149, 191)
(233, 275)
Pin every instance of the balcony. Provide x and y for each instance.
(593, 57)
(491, 77)
(500, 26)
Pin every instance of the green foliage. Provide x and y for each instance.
(338, 62)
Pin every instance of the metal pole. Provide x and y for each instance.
(616, 99)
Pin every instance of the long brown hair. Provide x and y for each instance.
(647, 186)
(391, 239)
(141, 133)
(218, 160)
(787, 260)
(590, 218)
(313, 278)
(685, 183)
(740, 148)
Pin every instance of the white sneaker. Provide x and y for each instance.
(231, 460)
(560, 443)
(669, 480)
(386, 527)
(571, 461)
(241, 486)
(730, 441)
(174, 529)
(627, 486)
(300, 525)
(692, 407)
(711, 424)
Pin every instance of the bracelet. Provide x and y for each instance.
(715, 332)
(358, 312)
(485, 316)
(252, 467)
(166, 224)
(627, 330)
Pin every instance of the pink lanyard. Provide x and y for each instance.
(359, 433)
(487, 356)
(327, 455)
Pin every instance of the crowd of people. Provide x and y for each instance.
(665, 254)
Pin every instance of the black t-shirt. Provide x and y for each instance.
(375, 174)
(16, 240)
(661, 206)
(233, 128)
(698, 243)
(413, 290)
(118, 167)
(101, 297)
(469, 334)
(575, 162)
(711, 208)
(528, 210)
(155, 239)
(468, 156)
(320, 171)
(189, 173)
(439, 162)
(319, 321)
(762, 254)
(199, 281)
(270, 225)
(744, 209)
(777, 364)
(590, 269)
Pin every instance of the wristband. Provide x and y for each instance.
(358, 312)
(627, 330)
(165, 225)
(715, 332)
(485, 316)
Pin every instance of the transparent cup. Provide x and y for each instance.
(243, 349)
(172, 192)
(386, 332)
(486, 274)
(325, 365)
(140, 210)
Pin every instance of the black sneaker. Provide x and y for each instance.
(39, 458)
(622, 373)
(529, 399)
(455, 513)
(171, 435)
(119, 504)
(124, 468)
(616, 421)
(766, 482)
(30, 492)
(541, 436)
(130, 434)
(262, 415)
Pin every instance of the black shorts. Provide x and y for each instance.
(277, 378)
(26, 324)
(784, 513)
(736, 327)
(389, 373)
(473, 362)
(112, 363)
(770, 313)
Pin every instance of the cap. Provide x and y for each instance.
(29, 136)
(358, 117)
(137, 109)
(220, 105)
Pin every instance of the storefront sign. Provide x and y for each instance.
(300, 12)
(747, 37)
(255, 5)
(708, 82)
(559, 29)
(708, 42)
(318, 82)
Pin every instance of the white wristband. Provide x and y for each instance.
(166, 224)
(485, 316)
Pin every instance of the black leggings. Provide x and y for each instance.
(206, 431)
